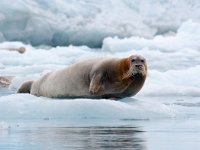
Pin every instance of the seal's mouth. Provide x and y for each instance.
(135, 70)
(138, 71)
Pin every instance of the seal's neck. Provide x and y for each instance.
(123, 66)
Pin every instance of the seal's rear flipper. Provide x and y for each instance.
(25, 87)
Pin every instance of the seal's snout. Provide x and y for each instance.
(138, 66)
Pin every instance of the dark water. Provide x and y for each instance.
(144, 135)
(81, 138)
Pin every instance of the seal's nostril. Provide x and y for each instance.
(138, 66)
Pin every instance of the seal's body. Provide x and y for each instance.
(95, 78)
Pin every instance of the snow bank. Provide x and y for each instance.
(87, 22)
(187, 36)
(173, 83)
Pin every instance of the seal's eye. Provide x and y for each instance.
(133, 60)
(142, 60)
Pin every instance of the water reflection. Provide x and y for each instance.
(90, 138)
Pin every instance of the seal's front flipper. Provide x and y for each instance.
(96, 84)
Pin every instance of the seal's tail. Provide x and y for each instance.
(25, 87)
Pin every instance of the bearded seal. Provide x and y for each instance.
(94, 78)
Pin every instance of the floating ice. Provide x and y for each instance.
(27, 106)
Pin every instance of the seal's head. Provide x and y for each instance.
(137, 66)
